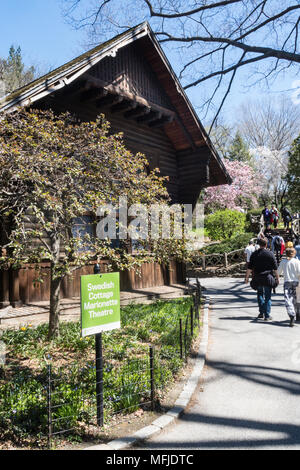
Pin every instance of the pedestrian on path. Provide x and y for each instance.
(265, 277)
(267, 217)
(274, 216)
(290, 268)
(286, 216)
(250, 248)
(277, 242)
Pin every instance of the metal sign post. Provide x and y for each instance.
(100, 311)
(99, 379)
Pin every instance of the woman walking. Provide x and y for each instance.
(290, 268)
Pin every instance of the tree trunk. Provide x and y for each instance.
(54, 306)
(55, 283)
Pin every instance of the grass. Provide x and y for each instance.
(23, 383)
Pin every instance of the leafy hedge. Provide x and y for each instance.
(234, 243)
(224, 224)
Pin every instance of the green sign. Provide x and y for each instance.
(100, 303)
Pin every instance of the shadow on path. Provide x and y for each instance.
(291, 434)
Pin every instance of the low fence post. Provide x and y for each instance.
(185, 336)
(226, 260)
(192, 321)
(152, 384)
(180, 338)
(49, 405)
(196, 303)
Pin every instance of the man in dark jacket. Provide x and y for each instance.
(263, 265)
(286, 216)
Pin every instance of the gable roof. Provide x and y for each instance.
(190, 129)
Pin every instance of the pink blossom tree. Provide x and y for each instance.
(240, 195)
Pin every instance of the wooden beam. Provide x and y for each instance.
(108, 100)
(161, 122)
(139, 111)
(186, 133)
(93, 94)
(152, 116)
(94, 82)
(123, 106)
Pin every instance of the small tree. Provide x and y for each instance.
(53, 170)
(239, 151)
(293, 175)
(13, 72)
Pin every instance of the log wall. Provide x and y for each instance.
(19, 287)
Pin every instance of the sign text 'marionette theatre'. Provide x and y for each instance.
(100, 303)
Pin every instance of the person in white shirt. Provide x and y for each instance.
(249, 250)
(290, 268)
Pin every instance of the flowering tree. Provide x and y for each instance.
(53, 171)
(240, 195)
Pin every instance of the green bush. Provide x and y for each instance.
(234, 243)
(224, 224)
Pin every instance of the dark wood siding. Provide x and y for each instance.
(130, 72)
(138, 137)
(19, 286)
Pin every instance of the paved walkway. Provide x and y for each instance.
(249, 395)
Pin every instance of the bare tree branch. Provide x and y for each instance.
(210, 6)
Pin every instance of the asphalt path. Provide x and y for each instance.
(248, 397)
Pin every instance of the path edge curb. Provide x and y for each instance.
(180, 404)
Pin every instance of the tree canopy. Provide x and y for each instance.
(54, 172)
(13, 73)
(212, 39)
(293, 175)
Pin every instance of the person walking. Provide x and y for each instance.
(250, 248)
(290, 268)
(267, 217)
(265, 277)
(286, 216)
(274, 216)
(277, 246)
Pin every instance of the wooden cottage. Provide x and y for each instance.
(130, 80)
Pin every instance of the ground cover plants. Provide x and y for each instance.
(24, 379)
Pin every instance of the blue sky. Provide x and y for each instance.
(47, 41)
(38, 27)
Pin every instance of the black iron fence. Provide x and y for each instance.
(42, 404)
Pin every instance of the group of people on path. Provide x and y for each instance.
(263, 266)
(272, 216)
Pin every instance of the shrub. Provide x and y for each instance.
(234, 243)
(225, 224)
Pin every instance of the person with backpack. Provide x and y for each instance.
(290, 268)
(277, 246)
(264, 278)
(267, 217)
(286, 216)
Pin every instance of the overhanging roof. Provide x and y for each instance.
(195, 134)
